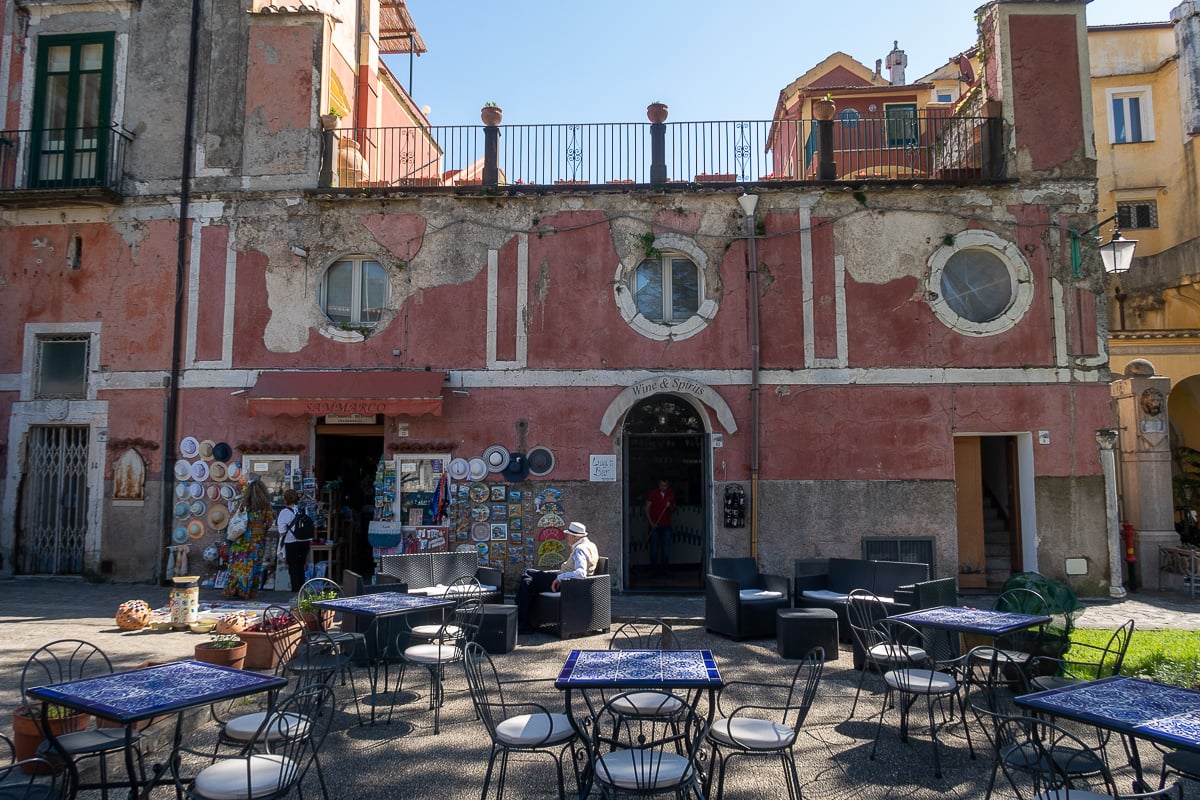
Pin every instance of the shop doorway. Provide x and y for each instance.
(53, 519)
(664, 439)
(344, 463)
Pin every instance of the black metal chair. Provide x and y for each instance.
(1083, 662)
(278, 758)
(515, 726)
(33, 779)
(763, 719)
(872, 640)
(70, 660)
(645, 633)
(445, 648)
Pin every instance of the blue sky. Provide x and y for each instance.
(567, 61)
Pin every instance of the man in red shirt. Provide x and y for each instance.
(660, 503)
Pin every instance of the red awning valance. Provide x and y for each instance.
(299, 394)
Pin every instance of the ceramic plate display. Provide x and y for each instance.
(189, 447)
(477, 469)
(198, 507)
(548, 496)
(181, 490)
(183, 470)
(551, 521)
(552, 547)
(213, 492)
(482, 549)
(179, 535)
(181, 509)
(232, 469)
(481, 513)
(552, 508)
(551, 533)
(216, 471)
(200, 470)
(227, 491)
(465, 548)
(479, 492)
(459, 470)
(480, 532)
(195, 529)
(496, 458)
(206, 449)
(195, 490)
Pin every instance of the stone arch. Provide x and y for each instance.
(667, 384)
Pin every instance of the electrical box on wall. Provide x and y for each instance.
(735, 506)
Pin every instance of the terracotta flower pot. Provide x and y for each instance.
(320, 621)
(260, 653)
(27, 732)
(656, 112)
(824, 109)
(491, 115)
(234, 657)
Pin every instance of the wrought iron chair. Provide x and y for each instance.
(279, 756)
(1019, 646)
(515, 727)
(646, 754)
(912, 681)
(460, 589)
(645, 633)
(872, 638)
(70, 660)
(763, 719)
(459, 628)
(1083, 662)
(33, 779)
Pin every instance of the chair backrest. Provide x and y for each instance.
(865, 611)
(468, 617)
(1056, 760)
(634, 752)
(1021, 601)
(33, 779)
(803, 691)
(743, 570)
(63, 660)
(352, 583)
(483, 681)
(313, 705)
(993, 679)
(601, 565)
(462, 588)
(644, 633)
(275, 621)
(314, 586)
(1114, 653)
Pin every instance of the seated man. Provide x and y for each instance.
(580, 563)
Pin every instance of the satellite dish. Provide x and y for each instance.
(966, 73)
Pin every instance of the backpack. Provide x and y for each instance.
(302, 526)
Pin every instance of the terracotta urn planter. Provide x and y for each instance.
(656, 112)
(233, 657)
(261, 653)
(491, 115)
(317, 621)
(27, 732)
(824, 109)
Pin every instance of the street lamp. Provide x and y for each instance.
(1117, 256)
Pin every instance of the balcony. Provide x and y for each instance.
(47, 167)
(935, 148)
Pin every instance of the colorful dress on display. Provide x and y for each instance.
(246, 557)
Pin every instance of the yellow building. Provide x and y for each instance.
(1146, 96)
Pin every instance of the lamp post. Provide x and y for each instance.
(1117, 256)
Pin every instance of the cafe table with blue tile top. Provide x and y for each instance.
(1132, 707)
(588, 674)
(127, 698)
(377, 606)
(971, 620)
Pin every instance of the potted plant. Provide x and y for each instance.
(656, 112)
(308, 614)
(223, 650)
(261, 637)
(27, 727)
(330, 121)
(824, 108)
(491, 114)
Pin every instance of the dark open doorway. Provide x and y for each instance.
(665, 440)
(345, 462)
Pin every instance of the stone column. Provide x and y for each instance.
(1146, 498)
(1105, 440)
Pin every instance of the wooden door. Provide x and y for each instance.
(968, 480)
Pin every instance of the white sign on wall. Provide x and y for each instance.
(602, 469)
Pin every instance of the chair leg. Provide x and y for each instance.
(487, 776)
(937, 762)
(879, 726)
(790, 775)
(862, 678)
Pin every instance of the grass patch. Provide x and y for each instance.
(1171, 657)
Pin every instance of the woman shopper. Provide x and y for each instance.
(246, 554)
(295, 551)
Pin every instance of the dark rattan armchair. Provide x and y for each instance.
(741, 602)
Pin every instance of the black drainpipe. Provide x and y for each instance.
(170, 414)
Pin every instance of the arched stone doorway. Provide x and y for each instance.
(664, 438)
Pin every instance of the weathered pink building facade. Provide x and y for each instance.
(888, 377)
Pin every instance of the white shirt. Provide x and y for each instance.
(584, 556)
(286, 515)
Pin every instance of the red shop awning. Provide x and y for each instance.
(299, 394)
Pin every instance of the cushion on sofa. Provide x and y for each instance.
(751, 595)
(833, 597)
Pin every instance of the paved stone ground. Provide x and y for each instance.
(405, 760)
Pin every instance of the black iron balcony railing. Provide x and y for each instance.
(63, 158)
(915, 148)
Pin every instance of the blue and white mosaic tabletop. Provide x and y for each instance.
(383, 603)
(685, 669)
(143, 693)
(1167, 714)
(971, 620)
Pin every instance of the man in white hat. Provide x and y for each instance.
(581, 562)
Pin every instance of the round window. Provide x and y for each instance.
(977, 285)
(980, 284)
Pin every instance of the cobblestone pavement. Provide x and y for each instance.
(405, 760)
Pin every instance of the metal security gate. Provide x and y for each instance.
(54, 504)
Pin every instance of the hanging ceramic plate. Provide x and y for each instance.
(227, 491)
(551, 533)
(480, 532)
(179, 535)
(465, 548)
(549, 496)
(482, 549)
(183, 470)
(181, 509)
(200, 470)
(552, 508)
(496, 458)
(477, 469)
(232, 469)
(480, 493)
(195, 529)
(459, 470)
(552, 547)
(213, 492)
(195, 490)
(481, 513)
(181, 490)
(551, 521)
(198, 508)
(189, 447)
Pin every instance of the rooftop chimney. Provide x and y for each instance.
(896, 62)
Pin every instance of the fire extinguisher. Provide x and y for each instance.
(1127, 535)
